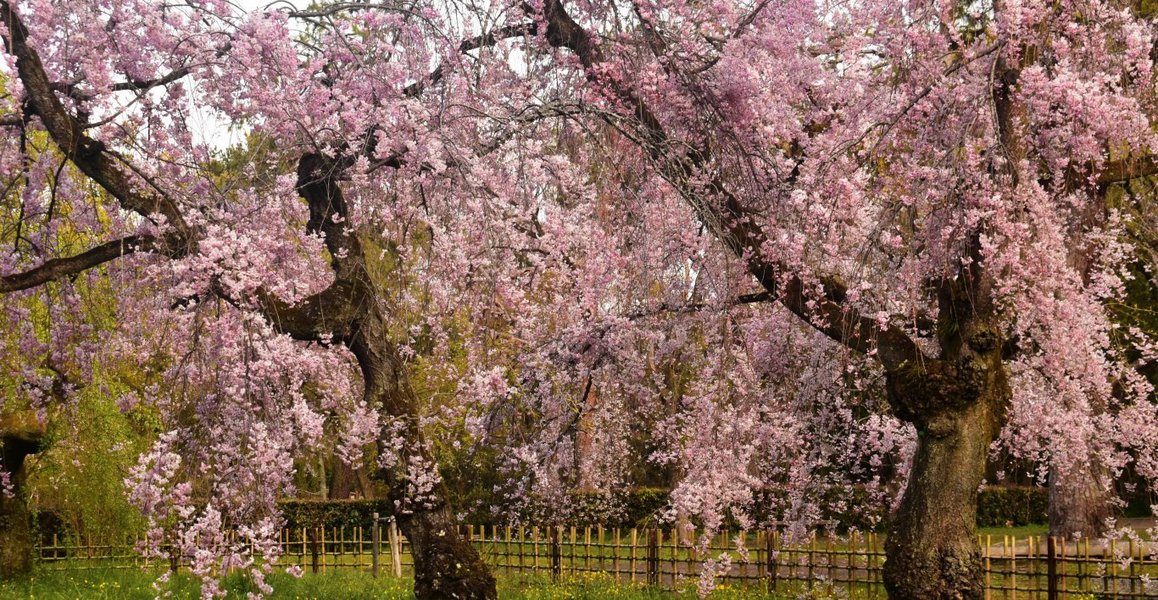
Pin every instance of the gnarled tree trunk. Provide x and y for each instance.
(932, 542)
(20, 435)
(445, 564)
(958, 405)
(354, 312)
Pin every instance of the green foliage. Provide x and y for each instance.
(1017, 506)
(333, 513)
(78, 478)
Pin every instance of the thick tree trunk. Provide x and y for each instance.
(19, 436)
(1079, 502)
(932, 542)
(354, 311)
(445, 564)
(958, 405)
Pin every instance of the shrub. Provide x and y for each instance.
(1001, 506)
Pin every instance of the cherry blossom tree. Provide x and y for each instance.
(894, 175)
(226, 289)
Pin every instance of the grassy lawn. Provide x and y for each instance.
(135, 584)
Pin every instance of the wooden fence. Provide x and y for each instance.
(1027, 568)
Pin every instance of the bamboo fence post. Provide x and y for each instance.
(599, 546)
(771, 551)
(555, 533)
(1032, 576)
(323, 545)
(1114, 567)
(828, 558)
(653, 556)
(615, 555)
(375, 543)
(988, 570)
(587, 548)
(522, 539)
(812, 558)
(634, 533)
(1142, 559)
(1132, 566)
(1083, 558)
(507, 547)
(395, 548)
(535, 545)
(314, 549)
(1051, 568)
(1011, 554)
(848, 562)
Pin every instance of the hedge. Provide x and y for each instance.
(1001, 506)
(997, 506)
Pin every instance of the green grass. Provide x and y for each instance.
(135, 584)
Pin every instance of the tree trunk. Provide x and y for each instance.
(19, 436)
(347, 482)
(1079, 501)
(958, 406)
(352, 309)
(445, 564)
(932, 542)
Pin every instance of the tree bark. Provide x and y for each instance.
(445, 564)
(1079, 502)
(20, 436)
(931, 549)
(347, 482)
(353, 311)
(958, 404)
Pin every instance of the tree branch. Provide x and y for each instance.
(89, 155)
(63, 267)
(1131, 168)
(732, 224)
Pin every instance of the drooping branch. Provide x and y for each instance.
(829, 312)
(89, 155)
(58, 268)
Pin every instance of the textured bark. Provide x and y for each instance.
(19, 437)
(347, 482)
(445, 564)
(1079, 502)
(958, 404)
(932, 544)
(450, 567)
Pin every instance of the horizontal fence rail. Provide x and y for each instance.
(1029, 567)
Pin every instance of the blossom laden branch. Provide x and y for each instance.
(59, 268)
(89, 155)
